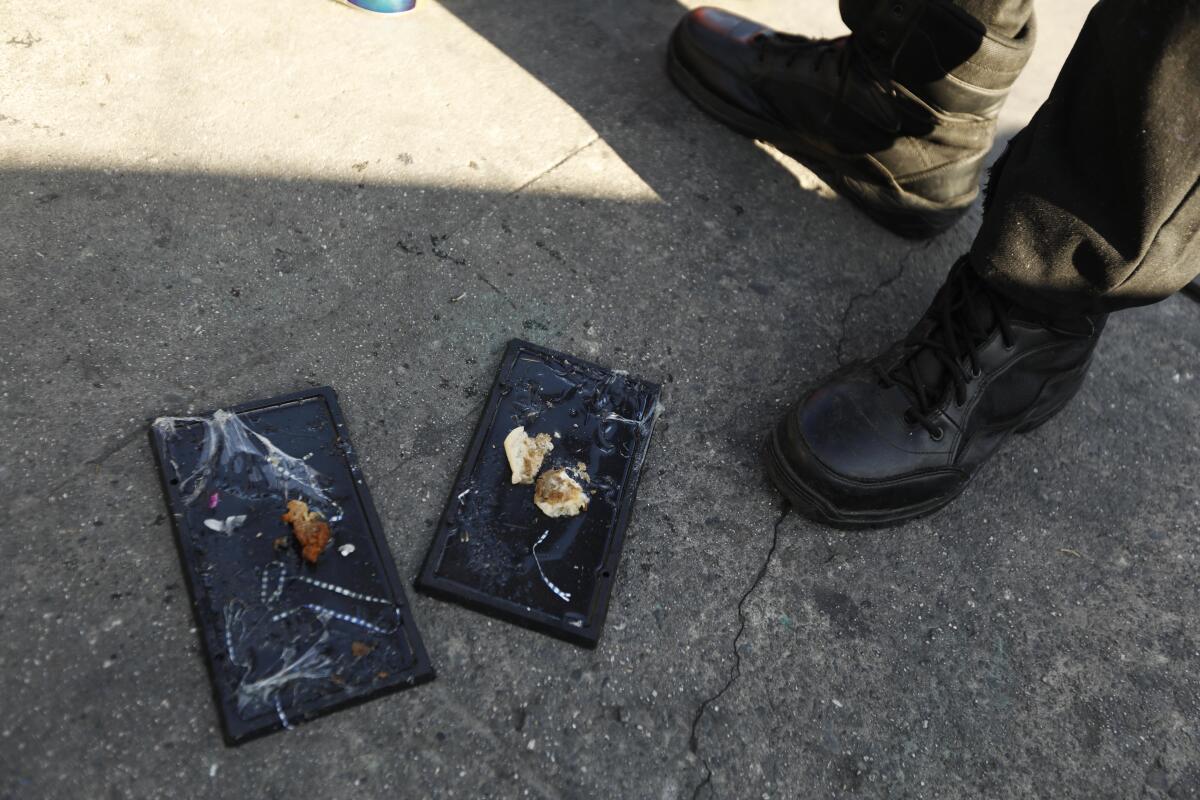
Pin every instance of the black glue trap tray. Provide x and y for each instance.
(497, 551)
(295, 593)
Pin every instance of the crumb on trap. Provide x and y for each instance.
(557, 494)
(526, 453)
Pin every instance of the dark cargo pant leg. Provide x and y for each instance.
(1094, 207)
(1005, 17)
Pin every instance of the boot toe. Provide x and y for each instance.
(847, 458)
(710, 30)
(717, 49)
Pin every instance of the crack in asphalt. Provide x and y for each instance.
(905, 263)
(736, 670)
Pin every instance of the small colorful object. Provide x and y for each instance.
(383, 6)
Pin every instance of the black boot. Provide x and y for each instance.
(897, 117)
(898, 437)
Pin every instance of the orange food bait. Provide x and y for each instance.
(310, 529)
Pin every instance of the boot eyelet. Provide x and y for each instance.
(936, 434)
(898, 9)
(975, 373)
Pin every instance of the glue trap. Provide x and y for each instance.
(527, 552)
(294, 590)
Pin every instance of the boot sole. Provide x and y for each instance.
(812, 505)
(901, 212)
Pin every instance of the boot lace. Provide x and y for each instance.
(952, 331)
(842, 51)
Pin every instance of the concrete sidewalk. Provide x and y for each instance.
(202, 205)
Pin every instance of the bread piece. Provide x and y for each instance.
(557, 494)
(525, 454)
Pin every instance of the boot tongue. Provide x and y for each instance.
(930, 369)
(927, 363)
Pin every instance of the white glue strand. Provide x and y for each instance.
(282, 717)
(310, 665)
(282, 615)
(322, 610)
(329, 587)
(279, 586)
(566, 596)
(641, 424)
(226, 438)
(233, 618)
(266, 576)
(229, 644)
